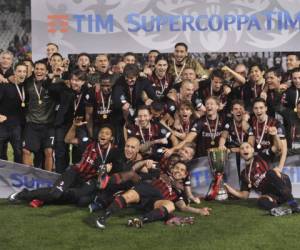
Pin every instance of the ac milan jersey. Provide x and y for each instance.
(208, 134)
(263, 138)
(91, 160)
(155, 131)
(169, 188)
(235, 133)
(161, 86)
(255, 179)
(102, 106)
(206, 91)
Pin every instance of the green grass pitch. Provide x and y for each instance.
(232, 225)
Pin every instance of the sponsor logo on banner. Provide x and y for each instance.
(14, 177)
(30, 182)
(224, 26)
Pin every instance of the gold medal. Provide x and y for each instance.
(104, 116)
(295, 109)
(249, 185)
(258, 146)
(212, 143)
(40, 102)
(23, 104)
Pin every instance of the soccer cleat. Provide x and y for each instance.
(135, 222)
(280, 211)
(36, 203)
(14, 196)
(100, 222)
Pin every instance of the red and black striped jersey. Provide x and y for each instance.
(256, 130)
(170, 189)
(257, 175)
(208, 134)
(91, 160)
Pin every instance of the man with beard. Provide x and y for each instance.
(267, 134)
(99, 105)
(181, 60)
(254, 87)
(152, 135)
(236, 128)
(102, 68)
(273, 95)
(39, 132)
(160, 79)
(235, 131)
(273, 185)
(292, 62)
(70, 106)
(156, 198)
(78, 180)
(12, 108)
(129, 58)
(149, 65)
(215, 87)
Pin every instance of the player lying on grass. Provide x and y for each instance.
(157, 198)
(273, 185)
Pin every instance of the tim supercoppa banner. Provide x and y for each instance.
(14, 177)
(118, 26)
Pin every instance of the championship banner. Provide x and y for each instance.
(201, 174)
(15, 176)
(118, 26)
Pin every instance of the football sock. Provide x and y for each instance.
(118, 204)
(156, 214)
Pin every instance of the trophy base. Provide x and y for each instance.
(216, 190)
(222, 195)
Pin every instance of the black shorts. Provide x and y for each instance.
(38, 136)
(280, 189)
(148, 196)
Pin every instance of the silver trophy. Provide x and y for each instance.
(217, 159)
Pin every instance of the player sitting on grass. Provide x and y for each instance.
(79, 179)
(156, 198)
(274, 186)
